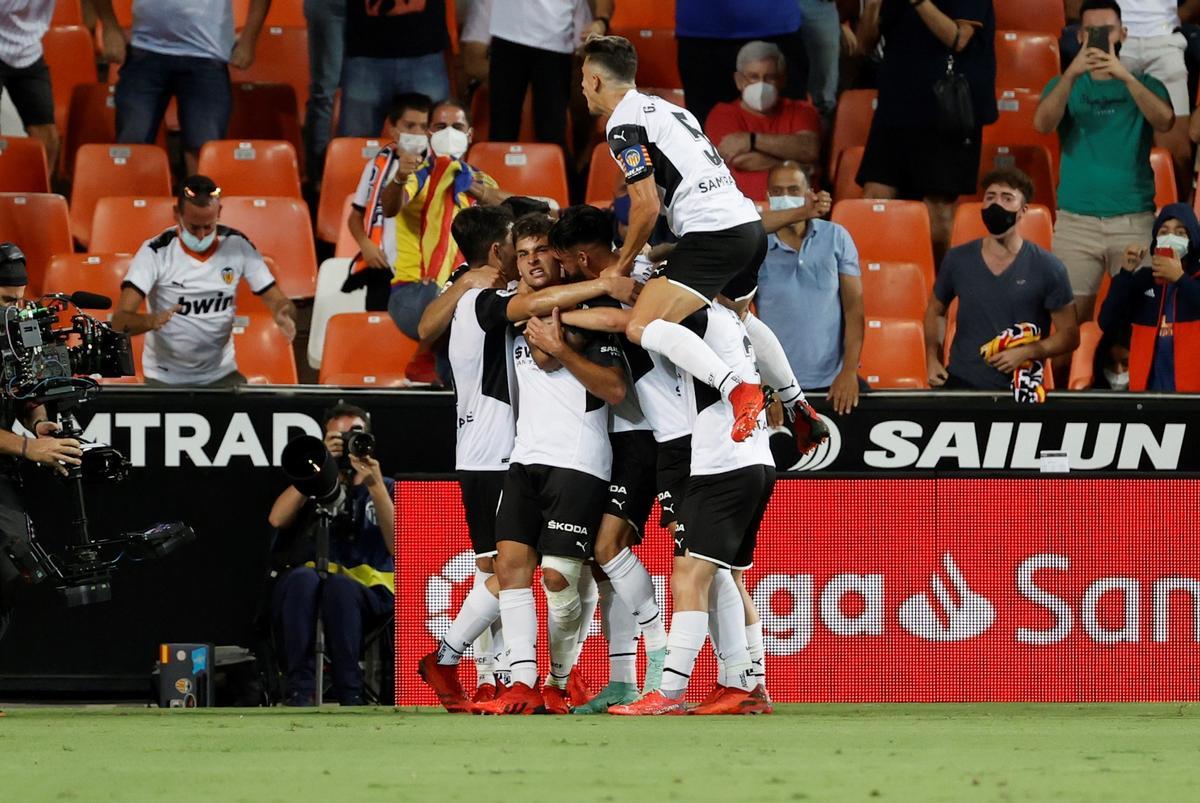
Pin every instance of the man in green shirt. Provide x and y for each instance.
(1106, 118)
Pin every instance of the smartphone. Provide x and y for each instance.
(1169, 253)
(1098, 37)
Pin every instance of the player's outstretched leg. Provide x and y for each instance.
(777, 372)
(632, 583)
(754, 641)
(564, 613)
(439, 669)
(515, 563)
(737, 693)
(621, 633)
(579, 686)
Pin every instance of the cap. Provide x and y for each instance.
(12, 266)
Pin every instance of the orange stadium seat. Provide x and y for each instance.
(645, 14)
(845, 176)
(894, 290)
(66, 12)
(93, 118)
(68, 54)
(1032, 160)
(1043, 16)
(344, 162)
(282, 12)
(264, 355)
(604, 176)
(365, 349)
(893, 355)
(1165, 189)
(1083, 360)
(346, 245)
(851, 122)
(251, 167)
(249, 302)
(94, 273)
(888, 231)
(658, 59)
(279, 227)
(40, 225)
(281, 56)
(23, 165)
(1015, 124)
(1025, 60)
(1037, 226)
(266, 111)
(103, 170)
(121, 223)
(123, 9)
(481, 117)
(534, 169)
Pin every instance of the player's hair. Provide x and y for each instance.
(521, 205)
(582, 225)
(1009, 177)
(409, 101)
(615, 55)
(477, 228)
(197, 190)
(760, 51)
(452, 102)
(532, 225)
(344, 410)
(1100, 5)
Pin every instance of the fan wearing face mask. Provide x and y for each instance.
(763, 129)
(1157, 292)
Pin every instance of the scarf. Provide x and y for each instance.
(1028, 378)
(445, 182)
(373, 219)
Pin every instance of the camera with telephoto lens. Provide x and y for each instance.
(358, 442)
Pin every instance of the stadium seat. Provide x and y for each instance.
(104, 170)
(641, 15)
(121, 223)
(281, 56)
(365, 349)
(1043, 16)
(282, 12)
(1083, 361)
(1102, 293)
(1036, 226)
(481, 117)
(851, 122)
(893, 355)
(40, 225)
(123, 10)
(604, 176)
(266, 111)
(1015, 124)
(1025, 60)
(1165, 189)
(68, 54)
(23, 165)
(658, 59)
(534, 169)
(250, 303)
(345, 245)
(845, 176)
(1032, 160)
(888, 231)
(94, 273)
(264, 355)
(66, 12)
(344, 162)
(93, 118)
(281, 228)
(251, 167)
(330, 301)
(894, 290)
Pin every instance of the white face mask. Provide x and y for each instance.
(780, 202)
(413, 143)
(1176, 242)
(1117, 381)
(449, 142)
(196, 244)
(760, 96)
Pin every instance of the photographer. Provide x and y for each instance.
(358, 591)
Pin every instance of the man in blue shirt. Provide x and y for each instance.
(358, 592)
(810, 293)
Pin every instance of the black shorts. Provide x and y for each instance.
(556, 511)
(481, 498)
(718, 512)
(712, 263)
(674, 468)
(920, 162)
(631, 490)
(745, 555)
(29, 88)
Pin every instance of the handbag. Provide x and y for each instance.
(952, 94)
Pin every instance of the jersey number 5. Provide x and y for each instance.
(710, 154)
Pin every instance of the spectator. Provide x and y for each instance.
(810, 293)
(823, 36)
(358, 593)
(908, 153)
(180, 48)
(24, 74)
(375, 233)
(762, 129)
(711, 32)
(391, 48)
(326, 41)
(1000, 281)
(1162, 303)
(1105, 117)
(1110, 365)
(188, 276)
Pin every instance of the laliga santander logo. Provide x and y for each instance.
(439, 590)
(824, 455)
(967, 618)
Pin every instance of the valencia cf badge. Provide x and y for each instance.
(227, 275)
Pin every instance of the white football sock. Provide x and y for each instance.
(690, 353)
(725, 603)
(621, 632)
(499, 658)
(520, 634)
(476, 615)
(754, 645)
(589, 597)
(485, 659)
(688, 630)
(773, 363)
(631, 580)
(714, 636)
(563, 613)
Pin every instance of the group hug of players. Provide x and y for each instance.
(590, 382)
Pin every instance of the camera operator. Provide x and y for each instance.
(358, 591)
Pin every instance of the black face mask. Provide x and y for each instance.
(998, 219)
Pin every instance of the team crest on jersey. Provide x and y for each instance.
(634, 158)
(227, 275)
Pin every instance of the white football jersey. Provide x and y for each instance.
(196, 345)
(713, 451)
(480, 349)
(650, 137)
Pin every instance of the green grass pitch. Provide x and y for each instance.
(803, 752)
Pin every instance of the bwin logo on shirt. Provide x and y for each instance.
(202, 306)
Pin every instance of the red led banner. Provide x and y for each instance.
(909, 590)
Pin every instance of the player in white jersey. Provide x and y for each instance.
(188, 276)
